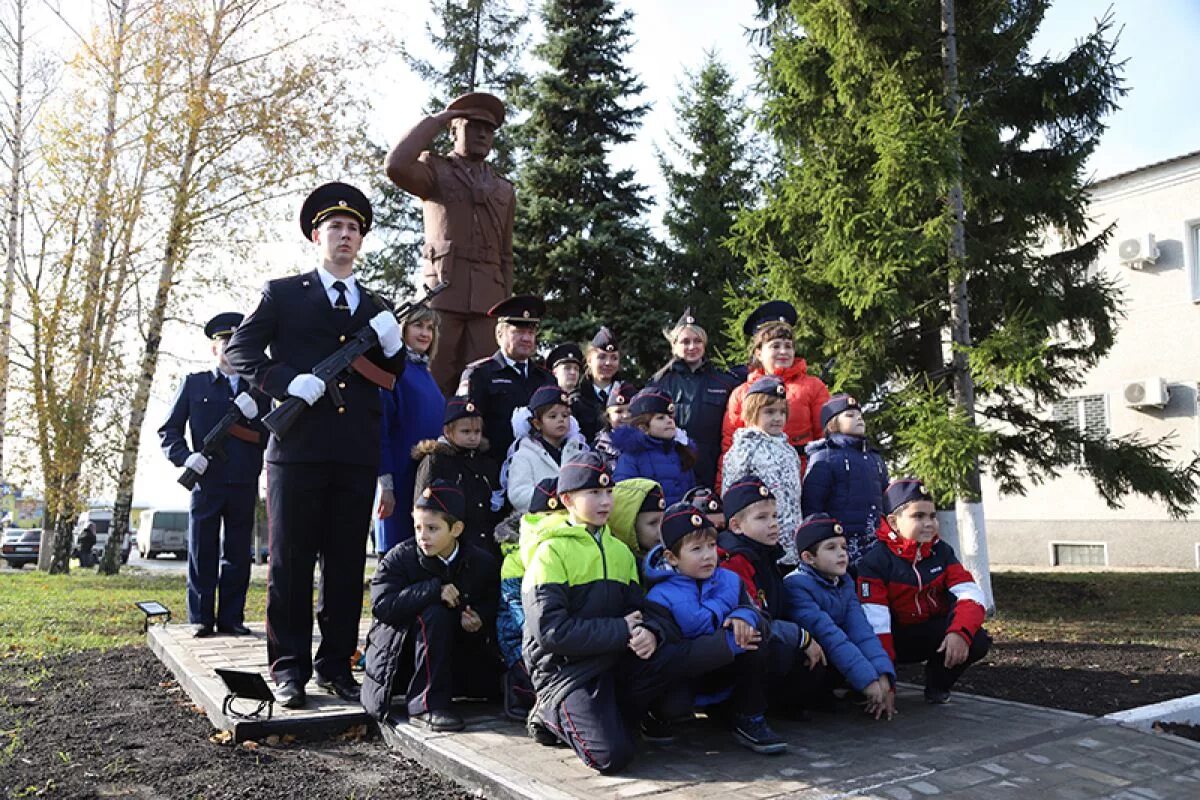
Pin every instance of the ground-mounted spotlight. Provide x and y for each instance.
(245, 686)
(154, 611)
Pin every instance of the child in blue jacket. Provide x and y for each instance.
(652, 446)
(703, 600)
(846, 477)
(822, 600)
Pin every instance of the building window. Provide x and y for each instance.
(1087, 414)
(1078, 554)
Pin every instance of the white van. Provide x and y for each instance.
(163, 530)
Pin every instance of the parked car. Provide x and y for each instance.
(101, 520)
(21, 546)
(163, 530)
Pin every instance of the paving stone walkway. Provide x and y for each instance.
(193, 662)
(975, 747)
(972, 748)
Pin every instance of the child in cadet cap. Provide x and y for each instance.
(616, 415)
(822, 600)
(761, 448)
(540, 449)
(636, 518)
(651, 446)
(510, 621)
(595, 661)
(704, 599)
(460, 455)
(709, 504)
(845, 476)
(750, 548)
(922, 603)
(434, 599)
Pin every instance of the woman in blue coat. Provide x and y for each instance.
(412, 412)
(700, 391)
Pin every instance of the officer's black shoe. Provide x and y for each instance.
(439, 721)
(202, 631)
(290, 694)
(236, 629)
(343, 686)
(935, 696)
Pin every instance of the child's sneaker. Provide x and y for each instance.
(540, 733)
(657, 731)
(756, 734)
(936, 697)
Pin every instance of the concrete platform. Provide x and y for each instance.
(192, 661)
(973, 748)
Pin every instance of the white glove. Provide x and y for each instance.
(307, 387)
(196, 463)
(388, 330)
(682, 437)
(246, 405)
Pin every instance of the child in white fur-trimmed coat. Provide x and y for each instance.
(761, 448)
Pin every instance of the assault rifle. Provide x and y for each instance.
(350, 356)
(244, 408)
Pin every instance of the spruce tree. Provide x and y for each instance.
(580, 236)
(709, 177)
(479, 45)
(856, 225)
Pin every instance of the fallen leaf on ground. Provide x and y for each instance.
(221, 737)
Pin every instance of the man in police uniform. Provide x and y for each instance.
(501, 384)
(218, 568)
(469, 212)
(321, 475)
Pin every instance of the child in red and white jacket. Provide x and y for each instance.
(922, 603)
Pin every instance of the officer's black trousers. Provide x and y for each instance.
(219, 567)
(917, 643)
(316, 511)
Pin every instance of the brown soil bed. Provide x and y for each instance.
(115, 724)
(1093, 679)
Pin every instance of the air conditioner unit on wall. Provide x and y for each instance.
(1149, 393)
(1139, 252)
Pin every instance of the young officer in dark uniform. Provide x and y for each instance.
(506, 380)
(321, 475)
(227, 489)
(603, 358)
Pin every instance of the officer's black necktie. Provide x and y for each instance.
(521, 366)
(226, 384)
(340, 302)
(603, 395)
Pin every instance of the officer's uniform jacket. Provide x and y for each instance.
(498, 390)
(296, 320)
(200, 403)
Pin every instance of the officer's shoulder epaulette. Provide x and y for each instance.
(476, 364)
(287, 281)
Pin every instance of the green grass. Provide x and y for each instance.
(43, 614)
(1159, 609)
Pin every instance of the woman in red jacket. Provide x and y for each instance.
(773, 352)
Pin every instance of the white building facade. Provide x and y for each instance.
(1148, 384)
